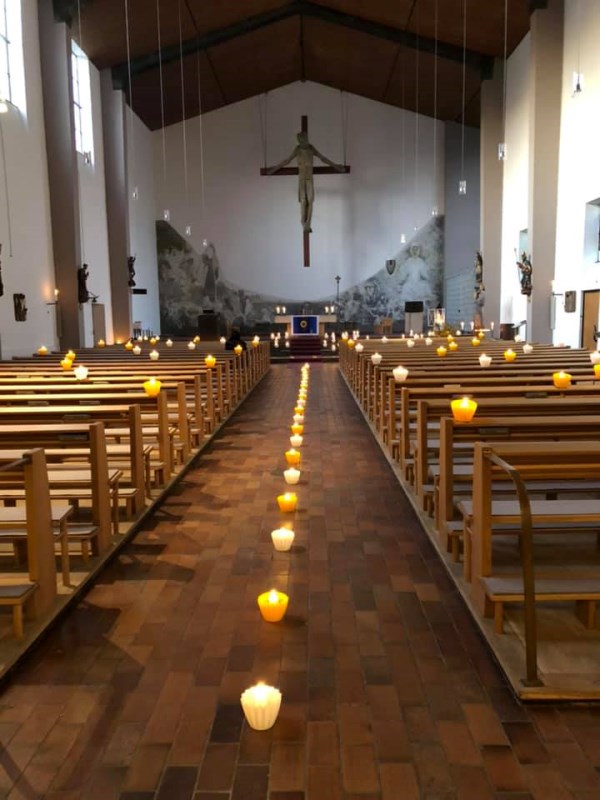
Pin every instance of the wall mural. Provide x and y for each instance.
(192, 282)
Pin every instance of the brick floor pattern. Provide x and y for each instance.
(389, 692)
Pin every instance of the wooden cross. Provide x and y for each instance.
(317, 170)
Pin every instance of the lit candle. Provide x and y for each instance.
(136, 350)
(292, 476)
(222, 340)
(492, 327)
(282, 539)
(297, 429)
(410, 343)
(210, 361)
(101, 343)
(72, 355)
(484, 360)
(384, 339)
(376, 359)
(481, 334)
(463, 409)
(299, 409)
(196, 340)
(441, 351)
(518, 338)
(292, 457)
(509, 355)
(475, 341)
(261, 706)
(400, 374)
(238, 349)
(345, 335)
(81, 372)
(66, 363)
(169, 343)
(595, 357)
(597, 370)
(256, 341)
(129, 345)
(299, 419)
(428, 341)
(562, 380)
(152, 387)
(527, 349)
(359, 347)
(42, 351)
(191, 345)
(287, 502)
(450, 337)
(462, 326)
(273, 605)
(153, 340)
(453, 346)
(154, 355)
(351, 343)
(297, 439)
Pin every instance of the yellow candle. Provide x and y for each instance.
(562, 380)
(66, 363)
(463, 409)
(481, 334)
(299, 409)
(152, 387)
(351, 344)
(297, 428)
(129, 345)
(475, 341)
(287, 502)
(72, 355)
(42, 351)
(292, 457)
(101, 343)
(210, 361)
(597, 370)
(441, 351)
(238, 349)
(153, 340)
(196, 340)
(453, 346)
(509, 355)
(273, 605)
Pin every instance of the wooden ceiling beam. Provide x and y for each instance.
(303, 8)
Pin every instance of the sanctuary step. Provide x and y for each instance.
(303, 347)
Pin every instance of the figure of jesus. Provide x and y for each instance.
(304, 153)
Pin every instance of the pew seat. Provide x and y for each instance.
(499, 590)
(16, 595)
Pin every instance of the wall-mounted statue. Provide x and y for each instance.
(1, 284)
(20, 308)
(478, 291)
(82, 292)
(525, 268)
(131, 269)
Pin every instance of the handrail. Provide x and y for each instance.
(20, 462)
(526, 550)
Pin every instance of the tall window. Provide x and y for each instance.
(12, 73)
(82, 103)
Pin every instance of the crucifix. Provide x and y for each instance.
(304, 153)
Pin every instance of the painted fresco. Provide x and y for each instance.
(192, 282)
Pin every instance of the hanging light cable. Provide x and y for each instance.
(344, 111)
(133, 171)
(81, 227)
(462, 184)
(434, 209)
(502, 146)
(403, 133)
(417, 59)
(577, 76)
(188, 227)
(263, 117)
(166, 212)
(201, 144)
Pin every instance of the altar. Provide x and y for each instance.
(305, 324)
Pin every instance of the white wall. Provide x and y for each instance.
(254, 221)
(30, 270)
(579, 175)
(516, 182)
(142, 222)
(92, 205)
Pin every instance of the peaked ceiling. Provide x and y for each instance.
(235, 49)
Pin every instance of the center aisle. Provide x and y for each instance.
(388, 691)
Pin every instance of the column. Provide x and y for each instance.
(546, 99)
(492, 181)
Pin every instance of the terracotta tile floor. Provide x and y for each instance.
(389, 693)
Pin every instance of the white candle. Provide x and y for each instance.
(527, 349)
(296, 440)
(428, 341)
(298, 419)
(282, 539)
(169, 343)
(292, 476)
(384, 339)
(400, 374)
(191, 345)
(261, 704)
(81, 372)
(410, 343)
(137, 350)
(484, 360)
(154, 355)
(376, 359)
(359, 348)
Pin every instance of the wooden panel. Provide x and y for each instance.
(146, 91)
(485, 23)
(347, 59)
(221, 14)
(103, 29)
(395, 13)
(450, 74)
(258, 62)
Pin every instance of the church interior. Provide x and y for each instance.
(299, 400)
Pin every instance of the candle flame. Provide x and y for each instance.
(273, 596)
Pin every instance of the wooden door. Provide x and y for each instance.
(590, 319)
